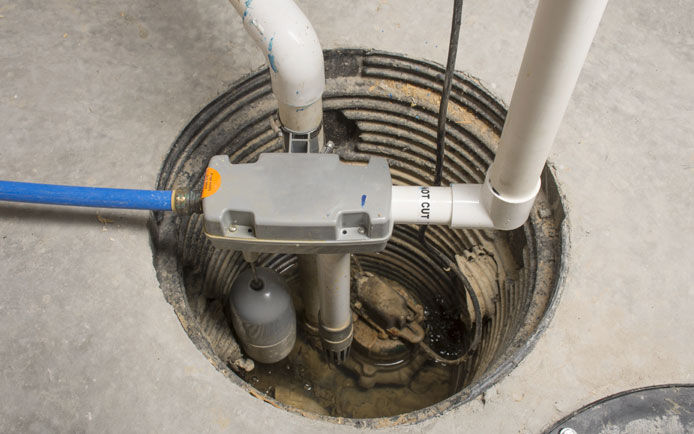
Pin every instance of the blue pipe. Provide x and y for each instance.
(155, 200)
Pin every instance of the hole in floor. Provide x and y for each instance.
(386, 105)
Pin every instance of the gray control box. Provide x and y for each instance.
(298, 203)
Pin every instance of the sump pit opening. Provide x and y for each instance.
(376, 104)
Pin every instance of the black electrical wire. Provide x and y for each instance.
(446, 91)
(446, 262)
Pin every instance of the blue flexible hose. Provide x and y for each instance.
(155, 200)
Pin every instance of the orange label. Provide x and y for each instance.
(212, 182)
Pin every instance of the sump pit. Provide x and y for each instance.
(376, 104)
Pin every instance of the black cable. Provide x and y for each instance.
(446, 262)
(446, 91)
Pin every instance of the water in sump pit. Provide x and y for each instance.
(305, 381)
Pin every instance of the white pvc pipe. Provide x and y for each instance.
(301, 118)
(334, 285)
(294, 57)
(421, 205)
(310, 289)
(559, 41)
(457, 206)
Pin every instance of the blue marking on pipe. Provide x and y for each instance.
(363, 200)
(155, 200)
(271, 59)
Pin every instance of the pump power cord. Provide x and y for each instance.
(444, 260)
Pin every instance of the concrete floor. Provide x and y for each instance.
(94, 93)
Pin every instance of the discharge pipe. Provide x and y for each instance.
(294, 57)
(335, 315)
(559, 41)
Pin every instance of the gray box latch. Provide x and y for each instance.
(298, 203)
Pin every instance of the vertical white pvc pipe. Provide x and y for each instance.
(310, 289)
(559, 41)
(334, 283)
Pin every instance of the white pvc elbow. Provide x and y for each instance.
(506, 212)
(291, 47)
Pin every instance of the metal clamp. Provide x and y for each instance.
(301, 142)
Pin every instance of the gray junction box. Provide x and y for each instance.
(299, 203)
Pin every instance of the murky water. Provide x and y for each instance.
(305, 381)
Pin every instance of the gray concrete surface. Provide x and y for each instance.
(95, 92)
